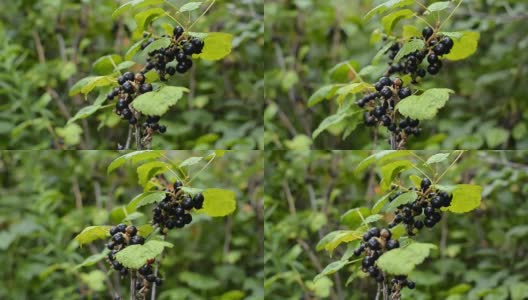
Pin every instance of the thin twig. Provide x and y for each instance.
(129, 138)
(206, 10)
(450, 15)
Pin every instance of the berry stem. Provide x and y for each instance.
(133, 285)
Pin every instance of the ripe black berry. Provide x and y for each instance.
(385, 233)
(162, 128)
(151, 278)
(121, 227)
(386, 120)
(177, 185)
(128, 87)
(187, 203)
(374, 232)
(145, 88)
(128, 76)
(374, 244)
(145, 270)
(131, 230)
(386, 92)
(188, 49)
(385, 81)
(110, 245)
(392, 244)
(127, 114)
(118, 238)
(121, 80)
(171, 70)
(198, 200)
(411, 284)
(429, 222)
(439, 49)
(367, 262)
(418, 224)
(358, 252)
(404, 92)
(427, 32)
(433, 69)
(178, 31)
(137, 240)
(437, 202)
(367, 236)
(425, 184)
(448, 42)
(428, 211)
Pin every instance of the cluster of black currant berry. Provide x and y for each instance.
(429, 202)
(147, 278)
(130, 86)
(380, 104)
(380, 108)
(174, 210)
(376, 242)
(182, 48)
(122, 236)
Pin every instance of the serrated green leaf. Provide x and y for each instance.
(90, 109)
(192, 191)
(402, 261)
(465, 44)
(160, 43)
(350, 113)
(135, 4)
(105, 65)
(148, 170)
(424, 106)
(71, 133)
(134, 157)
(352, 88)
(380, 157)
(92, 233)
(157, 103)
(135, 256)
(217, 45)
(325, 92)
(398, 231)
(437, 6)
(439, 157)
(401, 200)
(145, 199)
(334, 238)
(125, 65)
(133, 216)
(331, 268)
(354, 217)
(466, 197)
(390, 20)
(341, 72)
(144, 18)
(218, 202)
(92, 260)
(380, 203)
(410, 31)
(409, 47)
(416, 180)
(388, 5)
(390, 170)
(190, 6)
(134, 49)
(190, 161)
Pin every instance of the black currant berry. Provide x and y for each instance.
(433, 69)
(427, 32)
(411, 284)
(117, 266)
(127, 114)
(367, 262)
(358, 252)
(162, 128)
(153, 119)
(187, 218)
(374, 244)
(418, 224)
(385, 81)
(121, 104)
(425, 184)
(432, 58)
(187, 203)
(392, 244)
(439, 49)
(385, 233)
(188, 49)
(386, 120)
(110, 245)
(198, 200)
(118, 238)
(378, 111)
(429, 222)
(448, 42)
(145, 88)
(158, 281)
(367, 236)
(171, 70)
(178, 31)
(129, 76)
(386, 92)
(128, 87)
(132, 120)
(374, 232)
(177, 185)
(137, 240)
(378, 86)
(131, 230)
(437, 202)
(145, 270)
(121, 80)
(151, 278)
(404, 92)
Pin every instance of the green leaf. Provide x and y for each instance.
(218, 202)
(386, 6)
(440, 157)
(496, 137)
(92, 260)
(389, 172)
(354, 217)
(190, 6)
(518, 290)
(86, 85)
(71, 134)
(341, 72)
(389, 21)
(150, 169)
(145, 199)
(136, 4)
(345, 112)
(380, 157)
(401, 200)
(135, 256)
(416, 180)
(92, 233)
(466, 197)
(94, 280)
(89, 110)
(104, 65)
(409, 47)
(125, 65)
(145, 230)
(144, 18)
(424, 106)
(134, 49)
(410, 31)
(465, 44)
(437, 6)
(217, 45)
(352, 88)
(163, 42)
(157, 103)
(332, 268)
(134, 157)
(198, 281)
(380, 203)
(381, 52)
(325, 92)
(190, 161)
(334, 238)
(402, 261)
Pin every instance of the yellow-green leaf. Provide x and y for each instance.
(92, 233)
(218, 202)
(390, 170)
(390, 20)
(334, 238)
(465, 44)
(466, 197)
(135, 256)
(157, 103)
(217, 45)
(402, 261)
(424, 106)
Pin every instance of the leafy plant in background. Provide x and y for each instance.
(144, 97)
(397, 102)
(134, 248)
(390, 255)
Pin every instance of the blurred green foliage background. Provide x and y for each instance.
(481, 254)
(47, 46)
(48, 197)
(304, 39)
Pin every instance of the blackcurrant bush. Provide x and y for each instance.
(427, 32)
